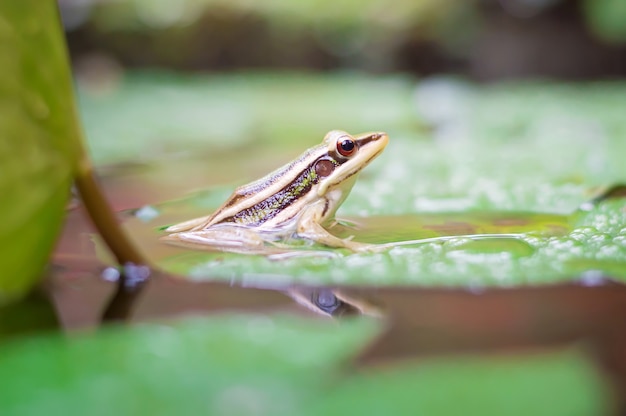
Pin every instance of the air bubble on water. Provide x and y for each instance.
(564, 243)
(587, 230)
(580, 237)
(592, 278)
(147, 213)
(620, 240)
(599, 238)
(609, 251)
(476, 288)
(110, 274)
(135, 274)
(456, 242)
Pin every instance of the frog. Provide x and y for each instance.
(296, 201)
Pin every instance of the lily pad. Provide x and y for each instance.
(447, 249)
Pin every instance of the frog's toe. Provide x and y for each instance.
(362, 247)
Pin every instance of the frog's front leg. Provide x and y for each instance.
(309, 227)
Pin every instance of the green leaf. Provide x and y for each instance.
(34, 313)
(547, 248)
(233, 365)
(38, 140)
(242, 365)
(556, 383)
(606, 18)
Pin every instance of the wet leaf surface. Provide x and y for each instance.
(484, 248)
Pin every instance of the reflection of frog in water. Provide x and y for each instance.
(333, 302)
(298, 199)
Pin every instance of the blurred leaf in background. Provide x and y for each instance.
(360, 15)
(38, 140)
(201, 34)
(607, 18)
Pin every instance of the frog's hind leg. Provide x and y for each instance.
(187, 225)
(229, 238)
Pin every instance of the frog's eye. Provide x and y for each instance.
(346, 147)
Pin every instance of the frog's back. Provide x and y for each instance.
(254, 203)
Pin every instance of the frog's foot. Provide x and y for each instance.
(318, 234)
(357, 247)
(309, 227)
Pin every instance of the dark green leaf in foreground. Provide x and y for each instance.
(563, 383)
(234, 365)
(243, 365)
(38, 140)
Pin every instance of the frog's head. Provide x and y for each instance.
(346, 156)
